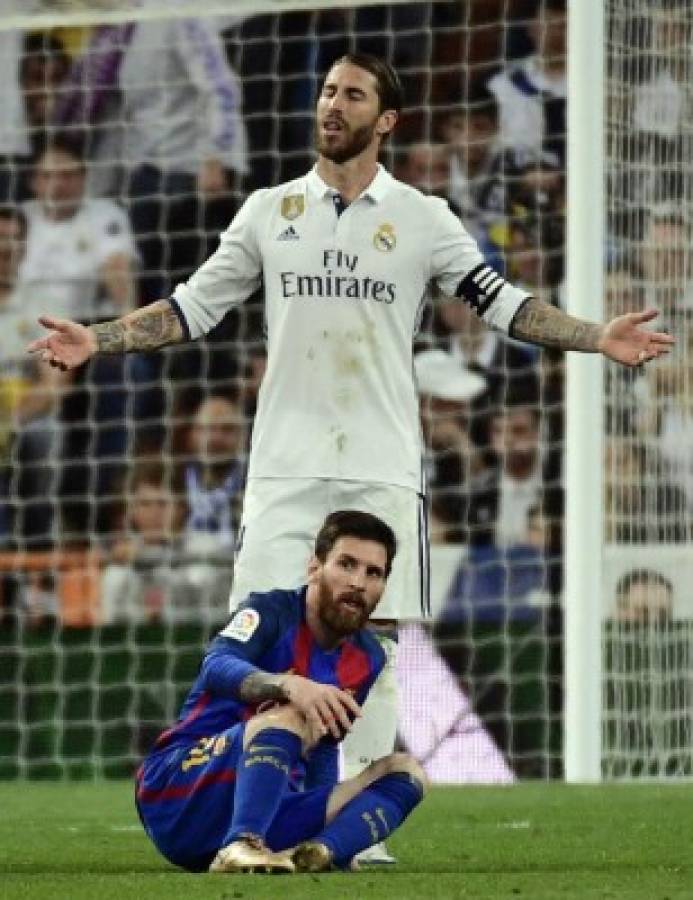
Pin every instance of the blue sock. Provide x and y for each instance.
(371, 816)
(261, 779)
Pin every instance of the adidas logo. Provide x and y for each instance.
(289, 235)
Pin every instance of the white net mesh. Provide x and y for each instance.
(647, 650)
(122, 493)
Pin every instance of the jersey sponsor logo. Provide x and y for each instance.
(289, 234)
(340, 279)
(243, 625)
(293, 206)
(385, 239)
(334, 286)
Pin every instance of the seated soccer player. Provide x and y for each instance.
(246, 779)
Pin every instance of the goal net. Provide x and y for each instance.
(647, 709)
(130, 134)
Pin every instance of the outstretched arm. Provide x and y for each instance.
(622, 339)
(70, 344)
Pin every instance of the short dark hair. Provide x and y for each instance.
(44, 47)
(154, 474)
(388, 85)
(357, 524)
(8, 212)
(648, 577)
(71, 143)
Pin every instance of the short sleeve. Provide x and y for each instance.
(459, 270)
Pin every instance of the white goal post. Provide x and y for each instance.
(584, 445)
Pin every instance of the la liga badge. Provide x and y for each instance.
(243, 625)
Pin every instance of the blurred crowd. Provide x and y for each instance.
(125, 149)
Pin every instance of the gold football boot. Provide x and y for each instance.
(311, 856)
(250, 854)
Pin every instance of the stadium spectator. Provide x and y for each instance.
(15, 147)
(644, 597)
(536, 233)
(425, 167)
(80, 250)
(446, 390)
(476, 181)
(153, 573)
(524, 476)
(642, 504)
(623, 293)
(80, 262)
(182, 137)
(665, 420)
(531, 93)
(215, 473)
(43, 69)
(29, 399)
(646, 653)
(662, 105)
(346, 256)
(257, 808)
(667, 262)
(500, 360)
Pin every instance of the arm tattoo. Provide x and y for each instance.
(110, 337)
(260, 686)
(148, 328)
(540, 323)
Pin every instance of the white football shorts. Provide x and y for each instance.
(281, 517)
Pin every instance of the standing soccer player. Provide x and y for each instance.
(346, 255)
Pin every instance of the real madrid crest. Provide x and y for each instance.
(293, 206)
(384, 239)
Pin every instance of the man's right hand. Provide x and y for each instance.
(328, 709)
(67, 346)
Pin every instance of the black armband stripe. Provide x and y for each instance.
(490, 297)
(468, 280)
(181, 317)
(480, 287)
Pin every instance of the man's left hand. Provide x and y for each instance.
(624, 341)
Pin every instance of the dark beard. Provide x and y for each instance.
(360, 139)
(339, 621)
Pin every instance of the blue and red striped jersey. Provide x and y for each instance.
(268, 632)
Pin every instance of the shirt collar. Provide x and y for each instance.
(375, 191)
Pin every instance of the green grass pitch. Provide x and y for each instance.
(77, 841)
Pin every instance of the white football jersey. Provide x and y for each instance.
(18, 326)
(61, 269)
(343, 300)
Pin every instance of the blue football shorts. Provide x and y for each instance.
(184, 797)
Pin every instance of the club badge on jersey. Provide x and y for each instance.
(384, 239)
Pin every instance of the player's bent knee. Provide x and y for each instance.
(404, 763)
(286, 717)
